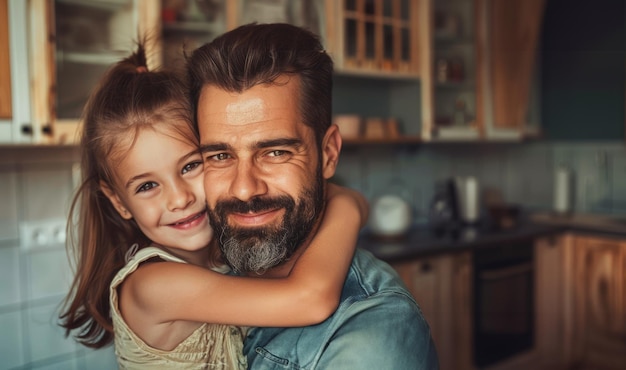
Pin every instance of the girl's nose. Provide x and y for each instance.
(180, 196)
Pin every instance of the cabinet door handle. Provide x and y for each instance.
(27, 129)
(47, 130)
(426, 267)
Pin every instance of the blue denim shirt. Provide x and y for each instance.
(377, 326)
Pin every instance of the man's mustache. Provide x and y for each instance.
(254, 205)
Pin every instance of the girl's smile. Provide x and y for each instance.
(191, 221)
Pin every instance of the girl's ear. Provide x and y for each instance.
(116, 201)
(331, 147)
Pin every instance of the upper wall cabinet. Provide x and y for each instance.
(365, 37)
(71, 43)
(187, 24)
(478, 80)
(376, 37)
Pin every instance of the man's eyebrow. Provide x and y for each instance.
(278, 142)
(217, 147)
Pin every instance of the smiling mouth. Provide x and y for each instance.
(255, 219)
(189, 219)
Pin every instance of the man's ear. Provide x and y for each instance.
(116, 201)
(331, 147)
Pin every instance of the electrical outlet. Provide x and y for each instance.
(42, 234)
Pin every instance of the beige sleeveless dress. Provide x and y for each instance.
(211, 346)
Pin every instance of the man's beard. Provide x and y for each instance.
(255, 250)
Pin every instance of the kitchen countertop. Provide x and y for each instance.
(582, 222)
(421, 241)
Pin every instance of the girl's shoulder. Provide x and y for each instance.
(135, 257)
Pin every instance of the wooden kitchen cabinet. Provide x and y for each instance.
(188, 24)
(596, 286)
(364, 37)
(71, 44)
(376, 37)
(442, 288)
(476, 84)
(550, 271)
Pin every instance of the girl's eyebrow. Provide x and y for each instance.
(134, 179)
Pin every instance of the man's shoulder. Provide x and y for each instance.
(370, 276)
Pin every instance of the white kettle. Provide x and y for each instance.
(390, 216)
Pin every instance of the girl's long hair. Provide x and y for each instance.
(128, 99)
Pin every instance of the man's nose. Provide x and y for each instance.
(247, 182)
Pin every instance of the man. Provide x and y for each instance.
(262, 95)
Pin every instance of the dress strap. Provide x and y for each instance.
(130, 253)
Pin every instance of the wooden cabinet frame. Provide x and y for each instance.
(5, 66)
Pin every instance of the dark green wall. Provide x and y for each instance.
(583, 70)
(379, 97)
(357, 95)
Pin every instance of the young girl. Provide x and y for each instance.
(145, 250)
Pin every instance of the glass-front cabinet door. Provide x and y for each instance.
(456, 76)
(309, 14)
(378, 37)
(188, 24)
(72, 44)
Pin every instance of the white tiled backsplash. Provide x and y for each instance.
(37, 184)
(522, 172)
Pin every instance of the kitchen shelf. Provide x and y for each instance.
(105, 59)
(403, 140)
(108, 5)
(194, 27)
(461, 85)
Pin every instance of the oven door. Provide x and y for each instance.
(504, 301)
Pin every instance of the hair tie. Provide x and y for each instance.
(141, 69)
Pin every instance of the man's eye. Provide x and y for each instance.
(146, 186)
(277, 153)
(191, 166)
(218, 157)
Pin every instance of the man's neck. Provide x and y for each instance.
(284, 269)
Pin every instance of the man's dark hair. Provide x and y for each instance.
(255, 54)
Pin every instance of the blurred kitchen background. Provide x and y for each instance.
(525, 98)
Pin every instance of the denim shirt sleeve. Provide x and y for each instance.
(385, 331)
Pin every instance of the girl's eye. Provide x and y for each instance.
(146, 186)
(190, 166)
